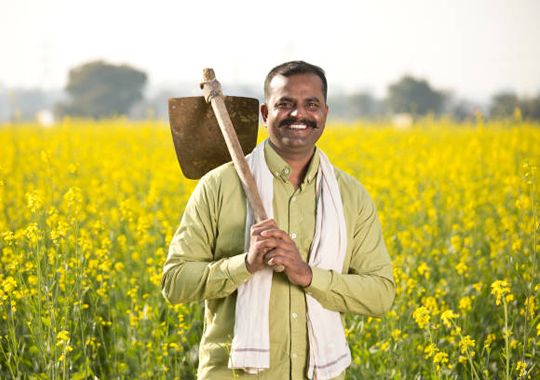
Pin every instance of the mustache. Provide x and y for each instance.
(290, 121)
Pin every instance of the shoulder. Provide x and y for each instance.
(213, 187)
(353, 193)
(218, 184)
(222, 175)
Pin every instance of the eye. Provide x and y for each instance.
(313, 106)
(284, 105)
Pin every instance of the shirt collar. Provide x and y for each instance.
(281, 170)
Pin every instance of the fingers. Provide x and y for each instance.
(281, 254)
(258, 228)
(267, 238)
(270, 244)
(276, 233)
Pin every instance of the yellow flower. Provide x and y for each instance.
(430, 350)
(462, 268)
(465, 343)
(421, 316)
(9, 284)
(396, 334)
(513, 343)
(384, 345)
(440, 359)
(423, 270)
(455, 243)
(521, 367)
(59, 233)
(431, 304)
(9, 237)
(530, 307)
(32, 233)
(62, 338)
(34, 201)
(447, 316)
(478, 287)
(500, 288)
(73, 198)
(465, 304)
(490, 338)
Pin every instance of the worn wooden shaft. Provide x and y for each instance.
(213, 95)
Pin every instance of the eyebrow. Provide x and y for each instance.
(289, 99)
(285, 99)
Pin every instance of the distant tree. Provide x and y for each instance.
(503, 105)
(460, 109)
(531, 108)
(361, 105)
(414, 96)
(99, 89)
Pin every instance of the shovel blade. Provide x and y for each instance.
(198, 141)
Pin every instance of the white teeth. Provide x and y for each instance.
(298, 126)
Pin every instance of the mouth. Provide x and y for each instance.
(298, 125)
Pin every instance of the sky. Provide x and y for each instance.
(472, 48)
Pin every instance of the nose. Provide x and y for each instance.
(297, 112)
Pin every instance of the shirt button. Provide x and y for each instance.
(293, 236)
(286, 171)
(294, 355)
(294, 315)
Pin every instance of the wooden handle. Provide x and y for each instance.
(213, 95)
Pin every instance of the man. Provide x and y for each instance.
(324, 231)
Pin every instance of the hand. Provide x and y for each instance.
(284, 252)
(259, 245)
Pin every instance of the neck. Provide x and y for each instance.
(298, 161)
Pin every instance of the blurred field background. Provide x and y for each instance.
(87, 209)
(434, 107)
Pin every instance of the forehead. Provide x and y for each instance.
(296, 86)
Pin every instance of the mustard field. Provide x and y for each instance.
(87, 210)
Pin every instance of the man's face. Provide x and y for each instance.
(295, 113)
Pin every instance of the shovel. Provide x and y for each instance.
(199, 145)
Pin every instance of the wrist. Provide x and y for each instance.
(247, 264)
(249, 268)
(308, 277)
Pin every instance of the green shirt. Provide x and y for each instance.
(206, 261)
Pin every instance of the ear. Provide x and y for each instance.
(264, 112)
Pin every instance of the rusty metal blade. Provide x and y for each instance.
(198, 141)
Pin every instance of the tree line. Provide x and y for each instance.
(101, 90)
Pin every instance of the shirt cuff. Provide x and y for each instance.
(320, 282)
(237, 270)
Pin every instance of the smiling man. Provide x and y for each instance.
(323, 229)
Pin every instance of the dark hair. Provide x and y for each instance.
(295, 67)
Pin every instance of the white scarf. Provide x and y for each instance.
(329, 353)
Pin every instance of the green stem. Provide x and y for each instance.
(506, 339)
(7, 360)
(469, 358)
